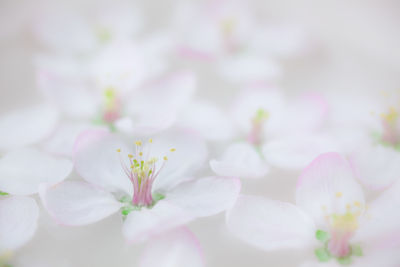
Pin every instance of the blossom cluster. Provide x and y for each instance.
(124, 129)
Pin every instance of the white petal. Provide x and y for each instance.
(241, 160)
(63, 139)
(269, 224)
(140, 225)
(18, 221)
(377, 167)
(26, 126)
(295, 152)
(327, 186)
(190, 155)
(156, 106)
(23, 170)
(206, 196)
(77, 203)
(97, 161)
(178, 248)
(382, 219)
(208, 120)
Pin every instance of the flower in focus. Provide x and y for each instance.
(150, 183)
(331, 217)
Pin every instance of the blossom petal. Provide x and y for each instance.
(78, 203)
(26, 126)
(97, 161)
(18, 221)
(205, 196)
(269, 224)
(177, 248)
(23, 170)
(328, 186)
(190, 155)
(208, 120)
(241, 160)
(377, 167)
(156, 107)
(296, 152)
(140, 225)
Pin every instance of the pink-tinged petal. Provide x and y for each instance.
(23, 170)
(97, 161)
(177, 248)
(248, 68)
(377, 167)
(157, 106)
(206, 196)
(295, 152)
(62, 141)
(328, 186)
(208, 120)
(249, 101)
(77, 203)
(382, 219)
(18, 221)
(269, 224)
(141, 225)
(240, 160)
(26, 126)
(189, 156)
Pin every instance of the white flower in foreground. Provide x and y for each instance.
(274, 131)
(153, 191)
(330, 217)
(177, 248)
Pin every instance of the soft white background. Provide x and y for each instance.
(358, 50)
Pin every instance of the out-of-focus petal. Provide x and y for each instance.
(205, 196)
(377, 167)
(18, 221)
(177, 248)
(269, 224)
(295, 152)
(23, 170)
(78, 203)
(26, 126)
(240, 160)
(328, 186)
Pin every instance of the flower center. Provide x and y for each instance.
(112, 106)
(142, 172)
(336, 241)
(255, 135)
(391, 131)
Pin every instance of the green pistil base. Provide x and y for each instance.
(378, 139)
(323, 254)
(101, 122)
(3, 193)
(128, 207)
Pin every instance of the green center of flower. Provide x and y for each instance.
(142, 171)
(336, 241)
(257, 122)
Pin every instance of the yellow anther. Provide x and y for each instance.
(132, 166)
(140, 153)
(118, 150)
(339, 194)
(172, 150)
(150, 140)
(138, 143)
(357, 204)
(391, 116)
(130, 156)
(165, 158)
(348, 207)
